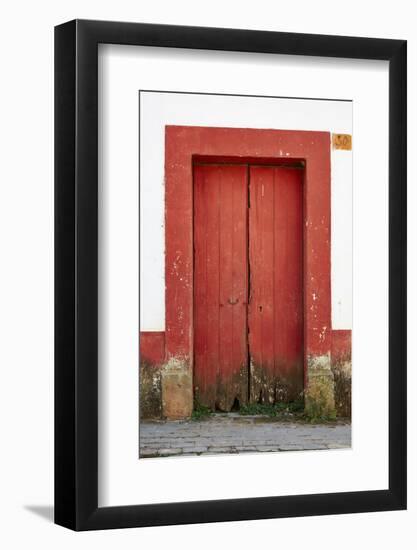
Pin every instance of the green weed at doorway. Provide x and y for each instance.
(272, 410)
(200, 411)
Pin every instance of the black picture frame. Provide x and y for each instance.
(76, 272)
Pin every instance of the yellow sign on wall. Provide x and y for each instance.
(342, 141)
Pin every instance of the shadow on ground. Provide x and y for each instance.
(44, 512)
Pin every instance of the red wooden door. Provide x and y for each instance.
(276, 284)
(220, 285)
(247, 252)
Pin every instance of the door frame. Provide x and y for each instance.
(184, 145)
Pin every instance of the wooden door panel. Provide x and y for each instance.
(275, 314)
(220, 285)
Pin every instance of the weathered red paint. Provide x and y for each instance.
(220, 285)
(341, 346)
(276, 283)
(152, 347)
(182, 143)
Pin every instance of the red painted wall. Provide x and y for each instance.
(341, 346)
(152, 347)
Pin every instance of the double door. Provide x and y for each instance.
(248, 284)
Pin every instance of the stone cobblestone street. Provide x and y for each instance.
(233, 433)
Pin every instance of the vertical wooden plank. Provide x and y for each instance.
(266, 196)
(226, 286)
(220, 285)
(233, 375)
(261, 307)
(275, 309)
(237, 387)
(199, 281)
(288, 295)
(212, 229)
(232, 378)
(205, 379)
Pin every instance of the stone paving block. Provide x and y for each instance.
(313, 447)
(239, 434)
(166, 452)
(148, 452)
(222, 449)
(200, 449)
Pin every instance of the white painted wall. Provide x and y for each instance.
(160, 109)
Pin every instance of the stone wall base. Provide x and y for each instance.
(342, 372)
(166, 391)
(319, 394)
(150, 395)
(177, 390)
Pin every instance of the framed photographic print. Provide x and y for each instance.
(230, 252)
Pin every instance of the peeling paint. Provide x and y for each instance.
(322, 334)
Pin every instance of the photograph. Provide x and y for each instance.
(245, 274)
